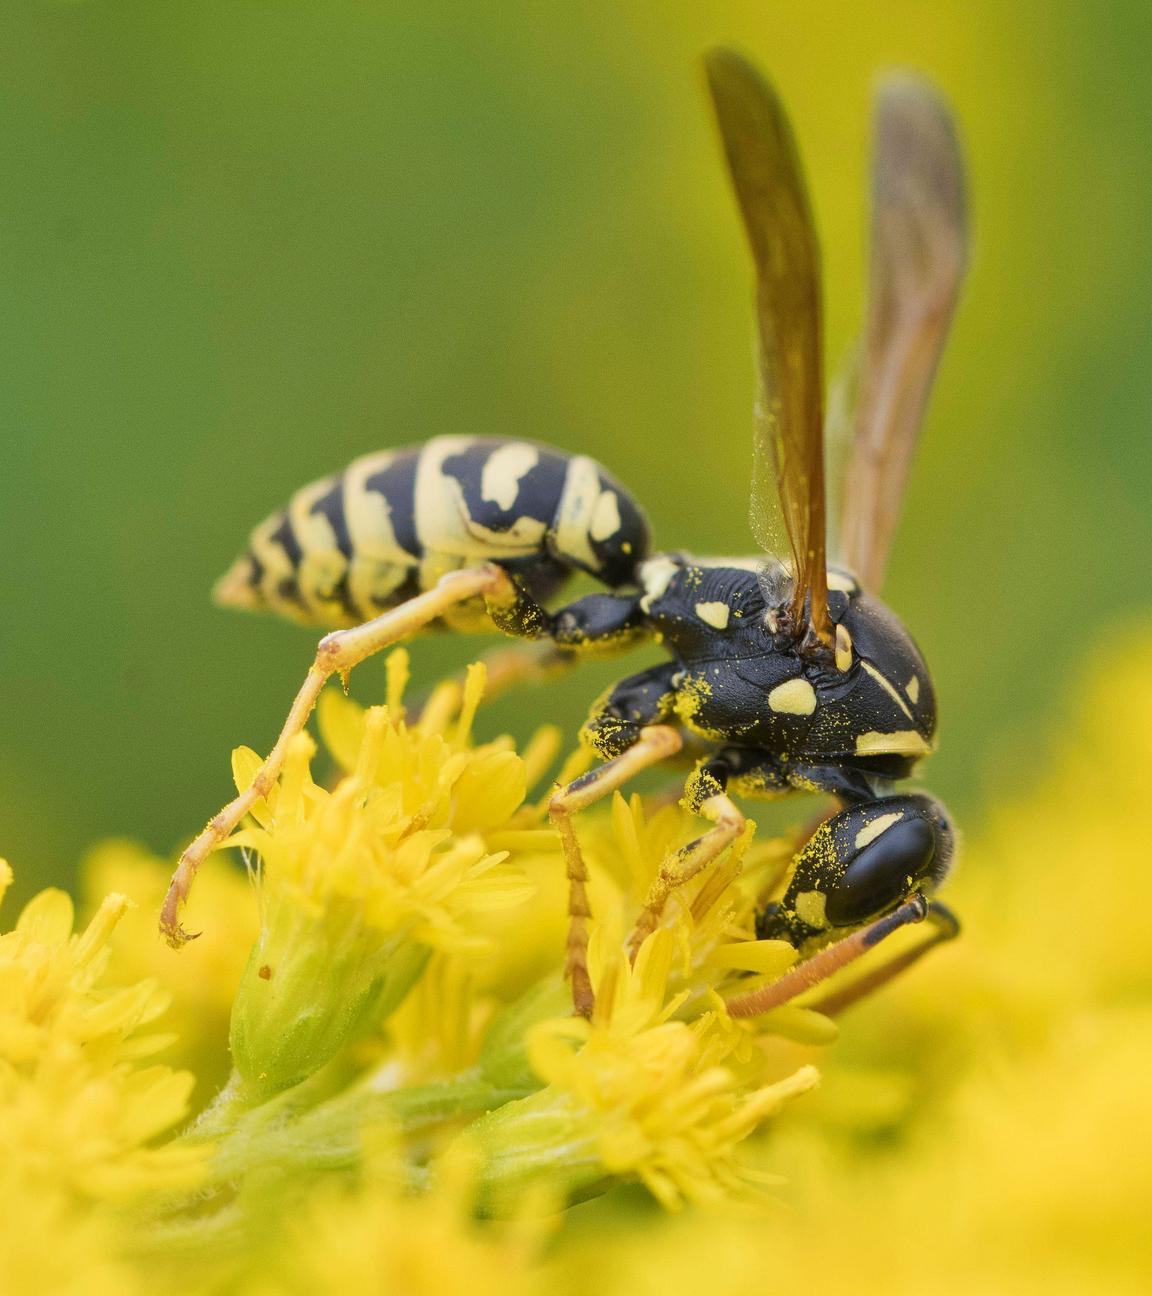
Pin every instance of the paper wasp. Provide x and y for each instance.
(787, 670)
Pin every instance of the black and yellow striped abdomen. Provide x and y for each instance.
(391, 524)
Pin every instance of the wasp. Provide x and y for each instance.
(786, 673)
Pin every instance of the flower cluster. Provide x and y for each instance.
(79, 1109)
(412, 1105)
(385, 986)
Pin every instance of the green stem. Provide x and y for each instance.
(328, 1137)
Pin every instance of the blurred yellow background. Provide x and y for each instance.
(241, 244)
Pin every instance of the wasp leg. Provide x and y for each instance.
(943, 926)
(338, 652)
(600, 625)
(595, 625)
(818, 968)
(655, 744)
(621, 715)
(687, 863)
(626, 729)
(743, 769)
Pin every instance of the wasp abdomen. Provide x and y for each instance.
(392, 523)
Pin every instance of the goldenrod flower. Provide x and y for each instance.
(378, 1238)
(78, 1113)
(1002, 1082)
(359, 884)
(201, 983)
(635, 1094)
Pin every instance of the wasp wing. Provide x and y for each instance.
(918, 257)
(773, 200)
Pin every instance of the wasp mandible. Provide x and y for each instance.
(786, 672)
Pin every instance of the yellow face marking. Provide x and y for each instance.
(605, 517)
(888, 688)
(903, 742)
(793, 697)
(500, 480)
(713, 614)
(843, 648)
(912, 688)
(874, 827)
(811, 907)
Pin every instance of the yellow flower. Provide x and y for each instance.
(202, 981)
(712, 918)
(377, 1238)
(78, 1113)
(359, 884)
(635, 1094)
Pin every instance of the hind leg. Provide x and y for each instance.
(337, 653)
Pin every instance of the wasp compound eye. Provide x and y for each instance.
(883, 873)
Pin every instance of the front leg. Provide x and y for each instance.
(596, 625)
(336, 654)
(626, 727)
(621, 715)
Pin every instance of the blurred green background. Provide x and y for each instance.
(242, 243)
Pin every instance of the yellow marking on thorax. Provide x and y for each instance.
(713, 614)
(888, 687)
(843, 648)
(874, 827)
(655, 577)
(912, 688)
(903, 742)
(793, 697)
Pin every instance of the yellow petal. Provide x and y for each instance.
(341, 725)
(769, 957)
(47, 917)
